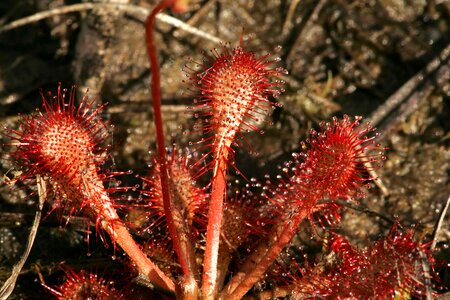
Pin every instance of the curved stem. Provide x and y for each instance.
(215, 215)
(182, 245)
(101, 207)
(120, 234)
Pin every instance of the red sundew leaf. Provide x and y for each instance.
(63, 143)
(162, 253)
(386, 269)
(241, 219)
(84, 285)
(190, 198)
(334, 164)
(232, 95)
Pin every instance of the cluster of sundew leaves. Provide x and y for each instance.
(392, 267)
(63, 145)
(333, 166)
(341, 138)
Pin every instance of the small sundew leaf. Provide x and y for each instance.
(84, 285)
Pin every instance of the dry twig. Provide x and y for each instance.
(137, 11)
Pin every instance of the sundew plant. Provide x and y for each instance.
(193, 223)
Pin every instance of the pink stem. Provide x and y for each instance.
(181, 243)
(215, 215)
(122, 237)
(106, 215)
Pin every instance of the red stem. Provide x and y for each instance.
(122, 237)
(215, 215)
(241, 283)
(183, 249)
(109, 220)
